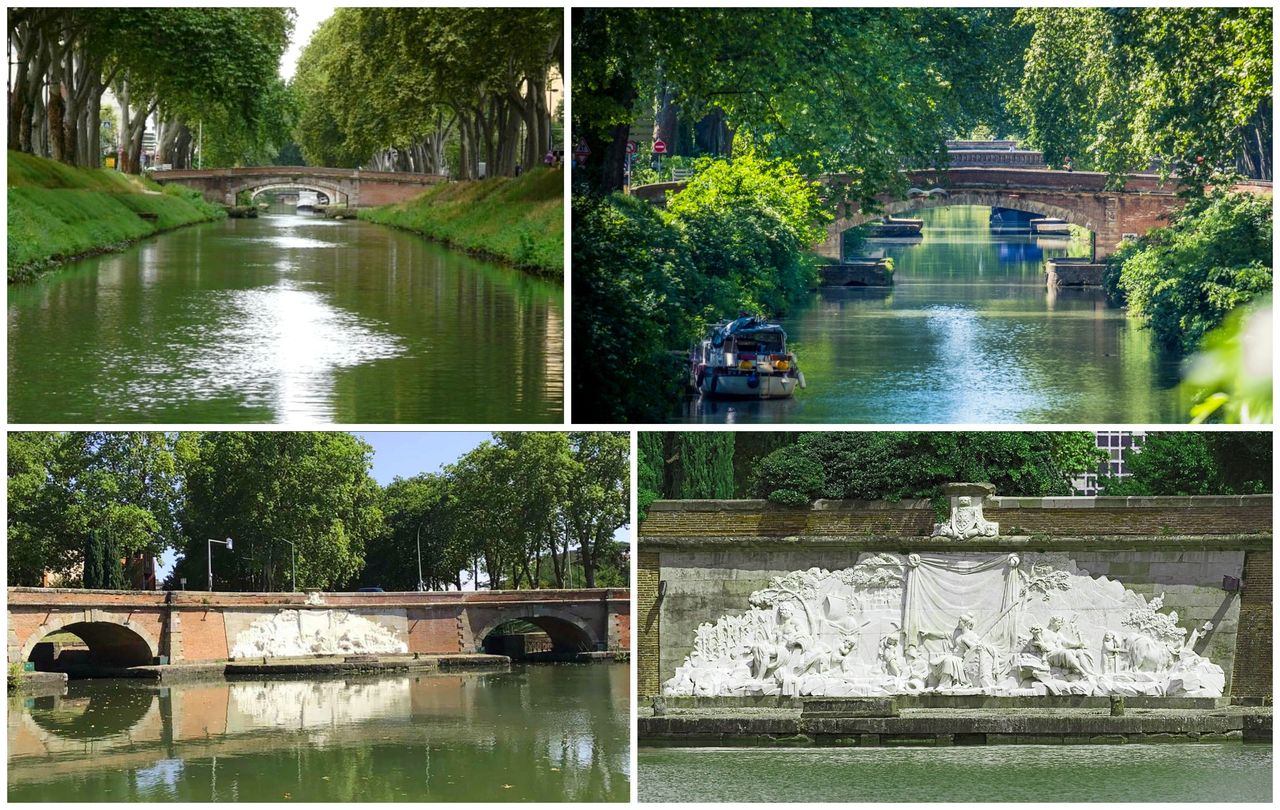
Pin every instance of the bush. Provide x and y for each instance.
(1184, 279)
(647, 283)
(629, 309)
(1196, 463)
(894, 465)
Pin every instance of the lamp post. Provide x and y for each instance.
(293, 554)
(226, 543)
(422, 586)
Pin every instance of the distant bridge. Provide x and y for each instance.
(353, 187)
(1080, 198)
(136, 628)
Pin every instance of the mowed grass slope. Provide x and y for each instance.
(517, 220)
(57, 212)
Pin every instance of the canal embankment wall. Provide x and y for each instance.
(1210, 556)
(58, 213)
(514, 220)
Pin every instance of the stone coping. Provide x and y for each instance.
(903, 543)
(74, 598)
(930, 701)
(992, 501)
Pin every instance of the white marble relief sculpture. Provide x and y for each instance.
(295, 633)
(951, 624)
(966, 520)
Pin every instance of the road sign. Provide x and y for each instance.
(581, 150)
(632, 147)
(659, 147)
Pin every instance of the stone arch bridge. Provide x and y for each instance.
(135, 628)
(1080, 198)
(353, 187)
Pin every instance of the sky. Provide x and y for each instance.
(309, 17)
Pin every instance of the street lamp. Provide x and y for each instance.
(226, 543)
(293, 554)
(422, 586)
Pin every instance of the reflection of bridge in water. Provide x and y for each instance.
(114, 727)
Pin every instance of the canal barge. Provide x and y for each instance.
(745, 358)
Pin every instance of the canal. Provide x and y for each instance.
(539, 732)
(286, 318)
(968, 333)
(1171, 772)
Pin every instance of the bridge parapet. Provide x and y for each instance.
(356, 187)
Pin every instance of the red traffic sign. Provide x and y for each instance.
(660, 147)
(581, 150)
(632, 147)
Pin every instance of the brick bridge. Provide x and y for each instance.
(1080, 198)
(134, 628)
(354, 187)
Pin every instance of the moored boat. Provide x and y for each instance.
(745, 359)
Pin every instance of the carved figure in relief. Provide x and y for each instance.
(966, 521)
(949, 667)
(887, 655)
(1114, 655)
(1066, 653)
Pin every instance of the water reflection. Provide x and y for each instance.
(285, 318)
(546, 733)
(968, 333)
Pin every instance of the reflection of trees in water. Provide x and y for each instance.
(458, 737)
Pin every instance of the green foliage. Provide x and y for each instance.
(1184, 279)
(630, 306)
(748, 224)
(706, 464)
(57, 212)
(375, 78)
(71, 495)
(1196, 463)
(1230, 378)
(647, 283)
(261, 488)
(649, 468)
(857, 90)
(892, 465)
(1116, 88)
(517, 220)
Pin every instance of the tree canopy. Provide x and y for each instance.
(524, 510)
(184, 65)
(430, 89)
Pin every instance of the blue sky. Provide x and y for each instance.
(399, 453)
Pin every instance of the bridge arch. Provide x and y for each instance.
(256, 187)
(1083, 216)
(112, 640)
(568, 633)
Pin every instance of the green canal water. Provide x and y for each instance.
(1176, 772)
(286, 318)
(968, 333)
(536, 733)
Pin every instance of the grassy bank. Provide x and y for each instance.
(58, 213)
(516, 220)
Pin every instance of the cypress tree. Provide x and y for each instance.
(112, 570)
(92, 576)
(706, 460)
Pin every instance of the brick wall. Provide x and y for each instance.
(435, 632)
(646, 611)
(1253, 641)
(204, 635)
